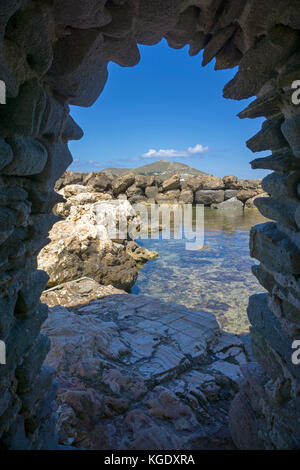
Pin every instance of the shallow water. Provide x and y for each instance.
(217, 278)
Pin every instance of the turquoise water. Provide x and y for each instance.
(217, 278)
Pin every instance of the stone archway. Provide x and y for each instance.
(55, 53)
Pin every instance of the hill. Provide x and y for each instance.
(162, 168)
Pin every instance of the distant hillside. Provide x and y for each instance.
(161, 168)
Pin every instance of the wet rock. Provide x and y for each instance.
(133, 191)
(244, 194)
(186, 197)
(211, 182)
(169, 196)
(139, 253)
(122, 183)
(208, 197)
(171, 183)
(229, 193)
(99, 181)
(143, 181)
(151, 192)
(230, 204)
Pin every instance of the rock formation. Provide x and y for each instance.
(54, 54)
(82, 245)
(204, 189)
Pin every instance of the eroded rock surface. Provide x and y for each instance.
(78, 292)
(134, 372)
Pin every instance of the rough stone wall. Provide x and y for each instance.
(54, 53)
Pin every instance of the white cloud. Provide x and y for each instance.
(172, 153)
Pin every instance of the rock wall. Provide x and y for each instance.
(54, 53)
(207, 189)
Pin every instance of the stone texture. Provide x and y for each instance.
(171, 183)
(150, 189)
(78, 292)
(160, 375)
(208, 197)
(230, 204)
(82, 245)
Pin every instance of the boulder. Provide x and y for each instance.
(134, 190)
(208, 197)
(186, 196)
(192, 184)
(232, 204)
(229, 193)
(250, 203)
(77, 195)
(211, 182)
(171, 183)
(168, 196)
(122, 183)
(252, 183)
(151, 192)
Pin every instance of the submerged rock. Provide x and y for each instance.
(135, 372)
(230, 204)
(140, 254)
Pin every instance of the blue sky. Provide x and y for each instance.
(170, 107)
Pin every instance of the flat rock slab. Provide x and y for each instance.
(138, 373)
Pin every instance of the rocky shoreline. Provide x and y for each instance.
(80, 244)
(221, 193)
(151, 373)
(135, 372)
